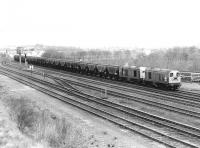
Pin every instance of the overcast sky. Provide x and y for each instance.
(100, 23)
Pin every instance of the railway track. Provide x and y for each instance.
(176, 108)
(151, 102)
(192, 110)
(132, 119)
(186, 98)
(183, 96)
(129, 86)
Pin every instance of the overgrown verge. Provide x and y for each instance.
(44, 126)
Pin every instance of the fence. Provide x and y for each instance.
(190, 76)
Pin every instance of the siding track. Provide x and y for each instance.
(151, 126)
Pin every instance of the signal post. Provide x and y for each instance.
(19, 51)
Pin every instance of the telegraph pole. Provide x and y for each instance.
(25, 59)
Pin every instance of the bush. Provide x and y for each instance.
(23, 113)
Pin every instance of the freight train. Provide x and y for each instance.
(156, 77)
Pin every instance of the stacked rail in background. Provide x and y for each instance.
(190, 77)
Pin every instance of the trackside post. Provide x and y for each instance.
(31, 67)
(20, 59)
(105, 96)
(105, 93)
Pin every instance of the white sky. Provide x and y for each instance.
(100, 23)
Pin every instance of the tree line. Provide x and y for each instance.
(118, 57)
(180, 58)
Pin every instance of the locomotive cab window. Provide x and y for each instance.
(149, 73)
(178, 74)
(171, 74)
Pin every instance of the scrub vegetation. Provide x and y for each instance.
(4, 58)
(44, 126)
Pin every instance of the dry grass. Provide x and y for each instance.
(3, 90)
(44, 126)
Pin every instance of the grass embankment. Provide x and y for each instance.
(44, 126)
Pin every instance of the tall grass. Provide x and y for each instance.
(43, 126)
